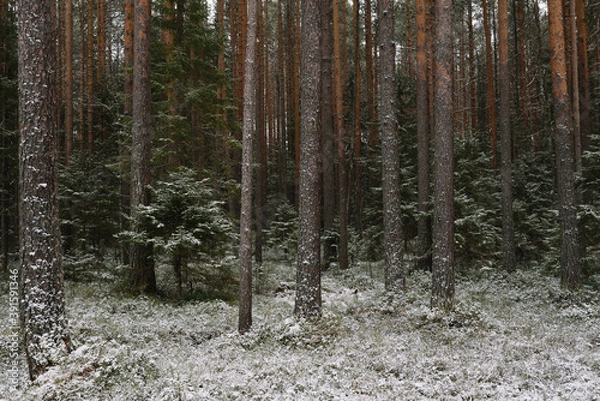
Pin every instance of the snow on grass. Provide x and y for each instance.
(516, 337)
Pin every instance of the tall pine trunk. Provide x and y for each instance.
(569, 260)
(248, 133)
(423, 129)
(142, 264)
(328, 133)
(308, 277)
(338, 116)
(389, 132)
(44, 323)
(491, 83)
(508, 228)
(443, 182)
(68, 80)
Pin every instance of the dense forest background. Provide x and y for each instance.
(182, 149)
(197, 85)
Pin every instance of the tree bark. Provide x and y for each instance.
(142, 264)
(89, 80)
(68, 80)
(369, 77)
(45, 330)
(570, 264)
(101, 43)
(491, 83)
(423, 129)
(472, 70)
(328, 140)
(584, 75)
(261, 139)
(508, 228)
(443, 182)
(575, 87)
(249, 131)
(308, 278)
(338, 116)
(388, 133)
(357, 151)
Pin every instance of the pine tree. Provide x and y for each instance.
(443, 182)
(249, 131)
(508, 227)
(308, 277)
(423, 129)
(45, 330)
(389, 136)
(569, 260)
(142, 264)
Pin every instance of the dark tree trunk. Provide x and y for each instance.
(142, 264)
(249, 130)
(43, 319)
(308, 278)
(443, 183)
(569, 260)
(388, 134)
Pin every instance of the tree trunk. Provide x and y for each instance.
(508, 228)
(297, 90)
(68, 80)
(261, 143)
(82, 77)
(327, 128)
(443, 188)
(89, 80)
(338, 116)
(584, 75)
(423, 128)
(44, 323)
(472, 71)
(142, 265)
(308, 278)
(101, 45)
(128, 55)
(369, 72)
(575, 87)
(249, 131)
(357, 151)
(281, 104)
(570, 265)
(388, 133)
(491, 85)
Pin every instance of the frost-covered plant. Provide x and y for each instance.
(185, 222)
(477, 203)
(282, 234)
(535, 208)
(89, 210)
(589, 212)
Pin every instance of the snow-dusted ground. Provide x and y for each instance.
(510, 338)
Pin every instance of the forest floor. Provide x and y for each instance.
(517, 337)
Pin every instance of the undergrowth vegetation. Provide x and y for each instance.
(514, 336)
